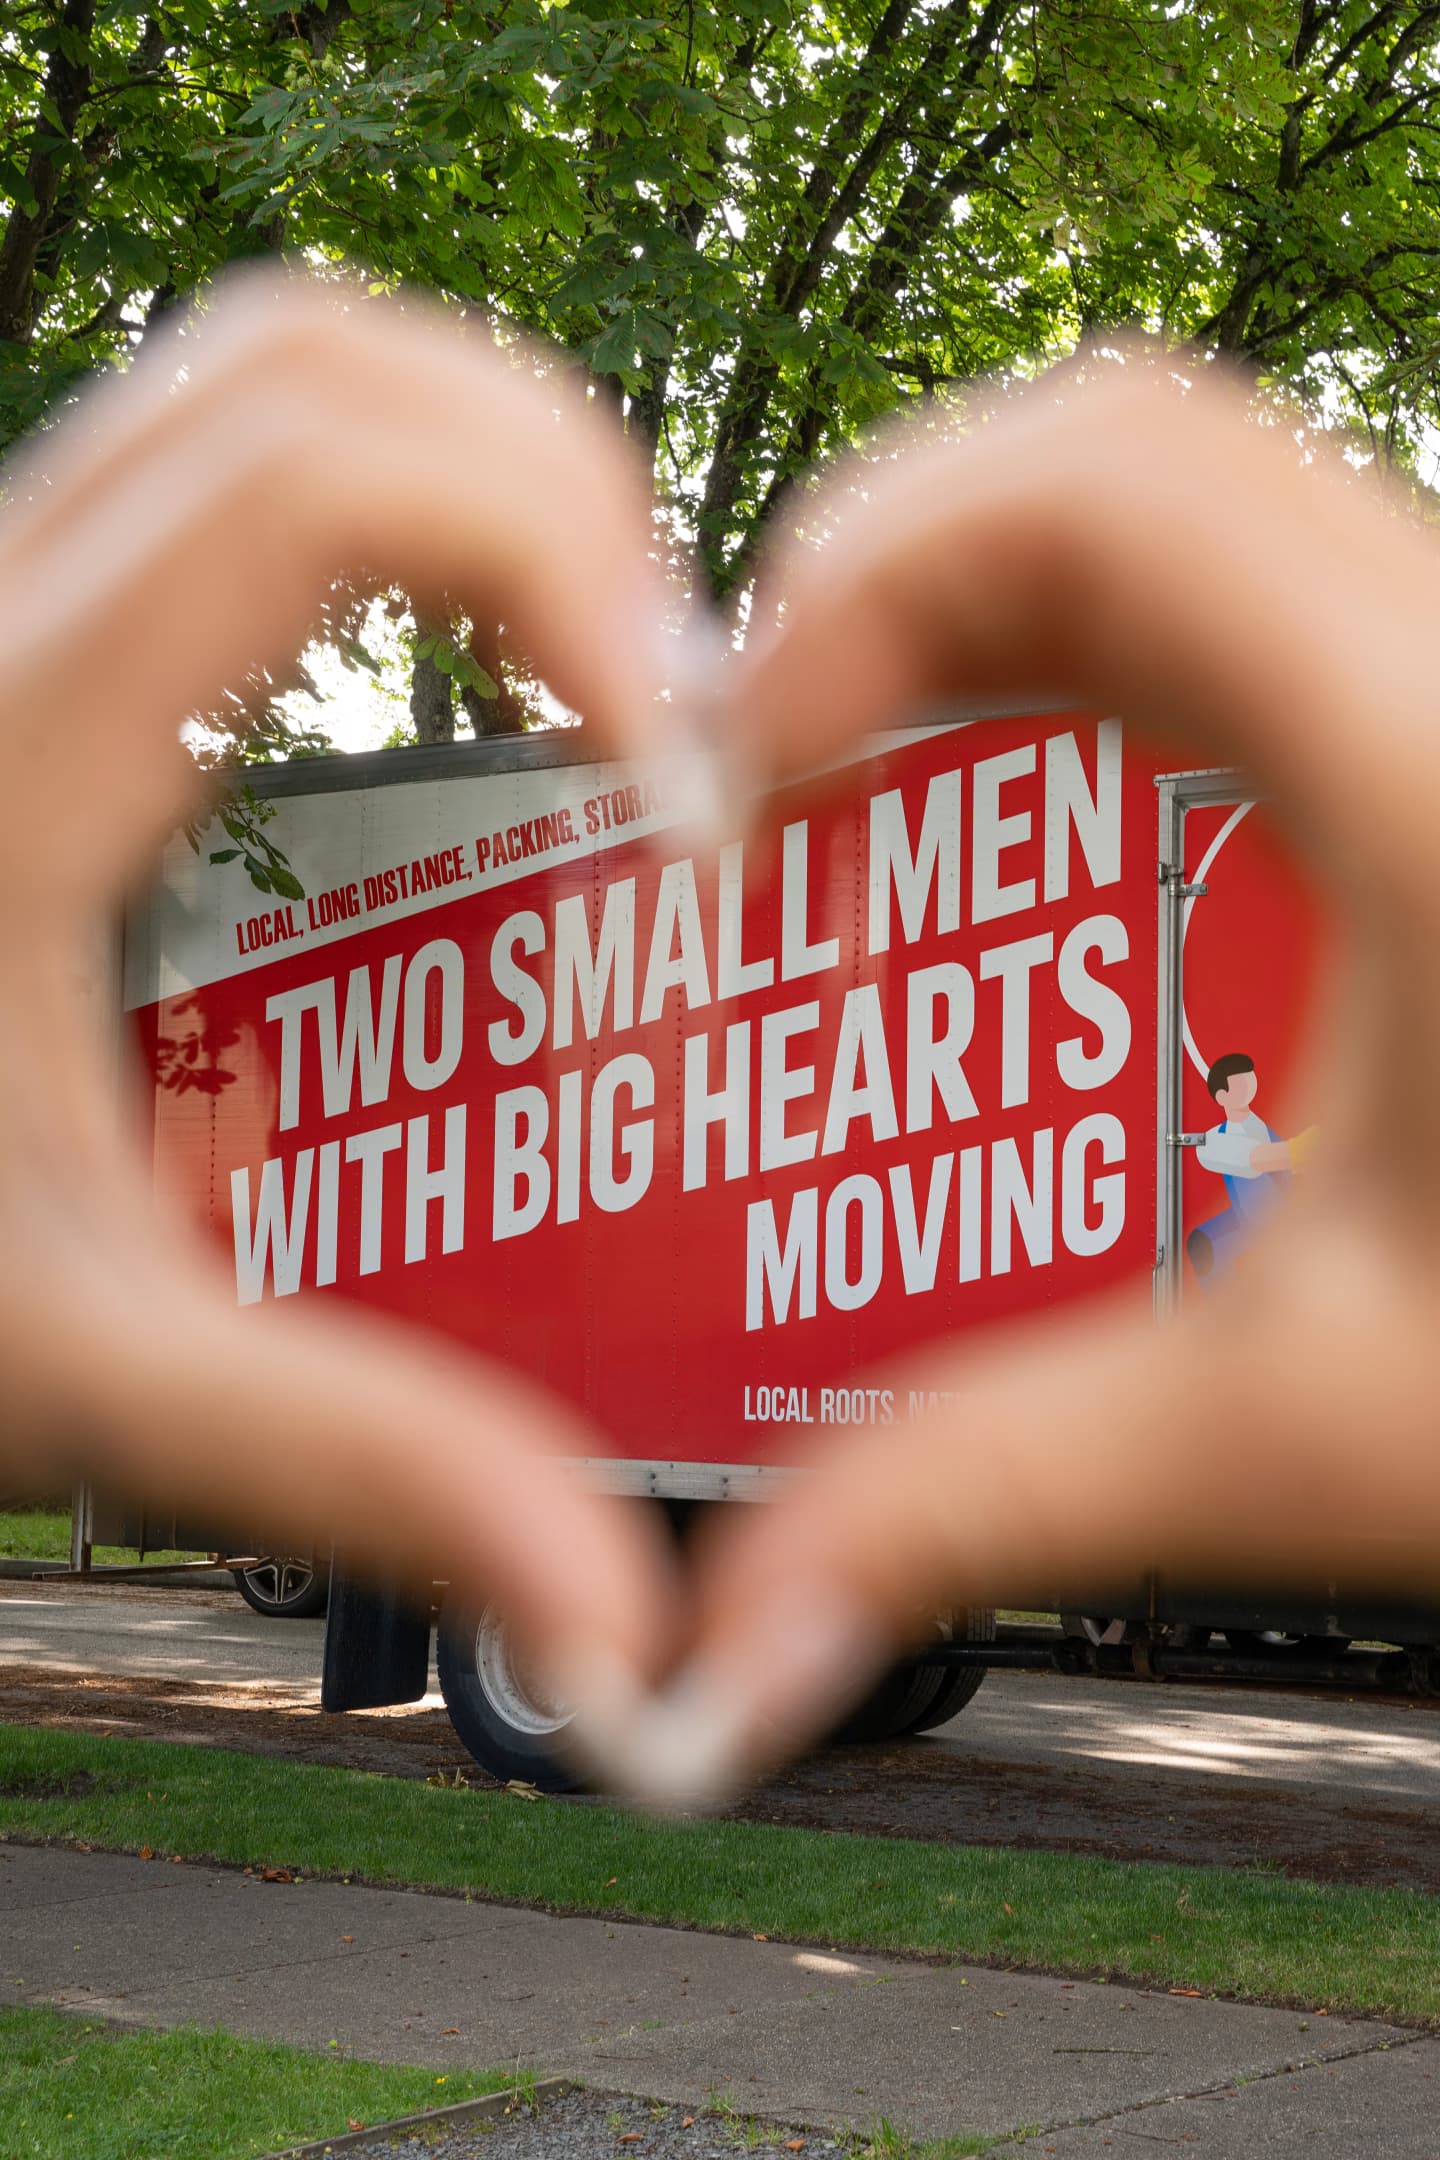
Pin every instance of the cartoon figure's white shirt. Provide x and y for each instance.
(1226, 1149)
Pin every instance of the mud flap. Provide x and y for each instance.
(377, 1646)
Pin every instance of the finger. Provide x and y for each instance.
(802, 1604)
(1126, 545)
(123, 1356)
(1072, 1453)
(319, 1428)
(188, 522)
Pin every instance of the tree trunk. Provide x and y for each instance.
(67, 85)
(432, 702)
(317, 22)
(646, 416)
(507, 712)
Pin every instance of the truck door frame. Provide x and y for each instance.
(1215, 787)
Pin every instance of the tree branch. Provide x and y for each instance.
(921, 208)
(1364, 34)
(1345, 140)
(800, 268)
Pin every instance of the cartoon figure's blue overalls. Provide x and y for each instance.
(1214, 1246)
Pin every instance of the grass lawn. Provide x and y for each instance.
(72, 2087)
(44, 1534)
(1217, 1930)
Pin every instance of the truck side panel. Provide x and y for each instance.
(715, 1149)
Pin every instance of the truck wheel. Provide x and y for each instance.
(284, 1589)
(958, 1683)
(893, 1707)
(913, 1698)
(502, 1715)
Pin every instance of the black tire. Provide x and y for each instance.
(958, 1683)
(892, 1707)
(285, 1588)
(498, 1713)
(911, 1698)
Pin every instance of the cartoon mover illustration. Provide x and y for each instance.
(1254, 1162)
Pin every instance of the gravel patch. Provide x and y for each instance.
(584, 2125)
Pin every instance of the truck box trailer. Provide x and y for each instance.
(991, 1016)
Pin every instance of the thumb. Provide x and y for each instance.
(1302, 1147)
(1101, 1446)
(799, 1605)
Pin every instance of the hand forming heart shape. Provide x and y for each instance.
(1144, 547)
(181, 527)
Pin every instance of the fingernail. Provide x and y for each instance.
(776, 1686)
(713, 789)
(653, 1750)
(608, 1701)
(687, 1748)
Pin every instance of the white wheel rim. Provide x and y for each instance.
(513, 1693)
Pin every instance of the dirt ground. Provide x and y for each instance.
(915, 1789)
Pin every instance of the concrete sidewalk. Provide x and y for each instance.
(806, 2035)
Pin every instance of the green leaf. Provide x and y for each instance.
(613, 352)
(471, 676)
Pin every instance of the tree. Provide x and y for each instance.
(758, 228)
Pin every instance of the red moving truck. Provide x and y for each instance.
(1001, 1011)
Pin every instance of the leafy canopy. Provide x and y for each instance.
(757, 227)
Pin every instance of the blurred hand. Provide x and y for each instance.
(180, 527)
(1153, 553)
(1145, 551)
